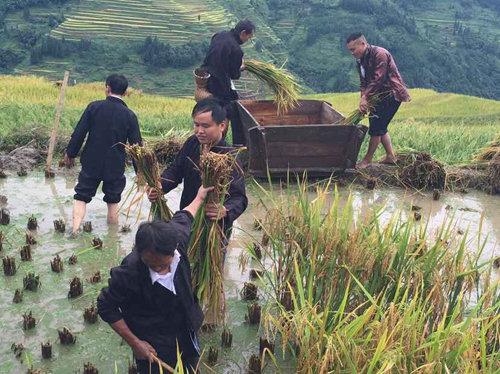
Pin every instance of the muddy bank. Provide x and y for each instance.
(458, 179)
(27, 150)
(420, 172)
(415, 170)
(21, 159)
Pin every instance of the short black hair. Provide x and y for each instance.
(157, 236)
(245, 25)
(219, 114)
(118, 84)
(354, 36)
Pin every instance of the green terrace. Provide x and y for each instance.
(171, 20)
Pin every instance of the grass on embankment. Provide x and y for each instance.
(451, 127)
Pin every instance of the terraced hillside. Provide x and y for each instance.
(175, 21)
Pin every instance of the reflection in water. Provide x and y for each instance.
(53, 199)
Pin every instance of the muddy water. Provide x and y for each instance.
(50, 200)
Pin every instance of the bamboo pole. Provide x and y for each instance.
(60, 104)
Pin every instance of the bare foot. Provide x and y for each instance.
(388, 160)
(363, 164)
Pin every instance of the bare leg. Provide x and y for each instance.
(372, 147)
(79, 209)
(113, 214)
(390, 157)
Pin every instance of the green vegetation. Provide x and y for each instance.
(352, 296)
(450, 127)
(460, 55)
(446, 45)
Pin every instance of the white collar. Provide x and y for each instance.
(167, 280)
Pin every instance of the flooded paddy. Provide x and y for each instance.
(48, 200)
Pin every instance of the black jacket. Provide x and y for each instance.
(223, 62)
(131, 296)
(185, 169)
(109, 124)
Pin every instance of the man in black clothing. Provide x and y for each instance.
(224, 62)
(209, 126)
(149, 301)
(109, 125)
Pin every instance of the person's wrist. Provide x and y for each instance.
(133, 341)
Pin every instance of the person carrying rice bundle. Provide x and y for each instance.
(224, 62)
(382, 92)
(209, 127)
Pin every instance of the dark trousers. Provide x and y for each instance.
(382, 115)
(237, 129)
(87, 185)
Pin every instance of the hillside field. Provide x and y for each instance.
(451, 127)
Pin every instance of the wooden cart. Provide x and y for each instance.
(308, 139)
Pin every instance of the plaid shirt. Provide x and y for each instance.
(378, 73)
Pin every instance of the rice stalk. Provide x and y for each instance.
(208, 239)
(356, 116)
(283, 84)
(353, 295)
(148, 172)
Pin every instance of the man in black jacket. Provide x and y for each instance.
(109, 125)
(149, 301)
(209, 126)
(224, 62)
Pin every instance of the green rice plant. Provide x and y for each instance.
(283, 84)
(208, 239)
(349, 294)
(148, 172)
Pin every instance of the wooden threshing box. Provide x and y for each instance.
(308, 138)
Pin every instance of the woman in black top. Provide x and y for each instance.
(149, 301)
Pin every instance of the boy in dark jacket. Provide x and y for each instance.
(109, 125)
(149, 301)
(224, 62)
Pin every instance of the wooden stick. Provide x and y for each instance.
(57, 121)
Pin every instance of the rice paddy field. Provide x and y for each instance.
(348, 280)
(413, 296)
(451, 127)
(171, 20)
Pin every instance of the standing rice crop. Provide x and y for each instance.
(356, 295)
(283, 84)
(148, 171)
(208, 239)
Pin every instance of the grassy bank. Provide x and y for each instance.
(451, 127)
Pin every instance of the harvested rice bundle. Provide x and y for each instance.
(148, 172)
(356, 116)
(420, 171)
(167, 147)
(208, 239)
(281, 82)
(494, 173)
(489, 152)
